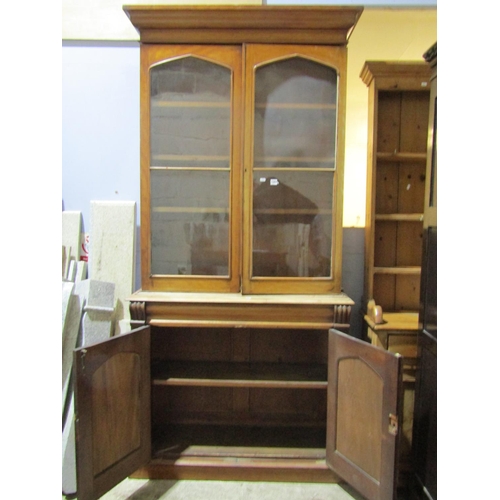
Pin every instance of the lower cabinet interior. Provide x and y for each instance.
(239, 392)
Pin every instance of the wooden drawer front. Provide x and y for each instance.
(402, 343)
(241, 315)
(398, 342)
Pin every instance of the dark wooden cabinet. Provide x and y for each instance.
(425, 421)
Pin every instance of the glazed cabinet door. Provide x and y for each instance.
(364, 408)
(191, 167)
(293, 161)
(113, 411)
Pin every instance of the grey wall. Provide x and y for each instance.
(100, 124)
(353, 273)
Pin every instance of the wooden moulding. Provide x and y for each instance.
(235, 310)
(407, 75)
(243, 24)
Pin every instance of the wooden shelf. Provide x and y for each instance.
(397, 270)
(201, 210)
(190, 157)
(300, 159)
(400, 217)
(402, 157)
(288, 105)
(187, 168)
(289, 211)
(240, 442)
(188, 104)
(222, 374)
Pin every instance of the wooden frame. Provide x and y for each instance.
(258, 56)
(229, 57)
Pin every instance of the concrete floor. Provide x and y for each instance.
(142, 489)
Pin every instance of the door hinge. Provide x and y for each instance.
(393, 424)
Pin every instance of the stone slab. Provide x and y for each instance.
(71, 237)
(112, 252)
(69, 453)
(67, 291)
(98, 311)
(71, 274)
(70, 341)
(81, 271)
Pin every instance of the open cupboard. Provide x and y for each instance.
(347, 427)
(240, 367)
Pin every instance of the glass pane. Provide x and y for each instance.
(190, 137)
(295, 114)
(292, 223)
(294, 166)
(190, 222)
(190, 162)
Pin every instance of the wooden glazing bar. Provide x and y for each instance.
(286, 105)
(201, 210)
(189, 168)
(189, 104)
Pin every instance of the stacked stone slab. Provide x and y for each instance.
(71, 240)
(112, 252)
(93, 309)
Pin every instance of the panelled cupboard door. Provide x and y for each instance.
(293, 162)
(191, 167)
(113, 405)
(364, 404)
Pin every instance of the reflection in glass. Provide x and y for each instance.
(190, 162)
(295, 114)
(294, 165)
(190, 222)
(292, 223)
